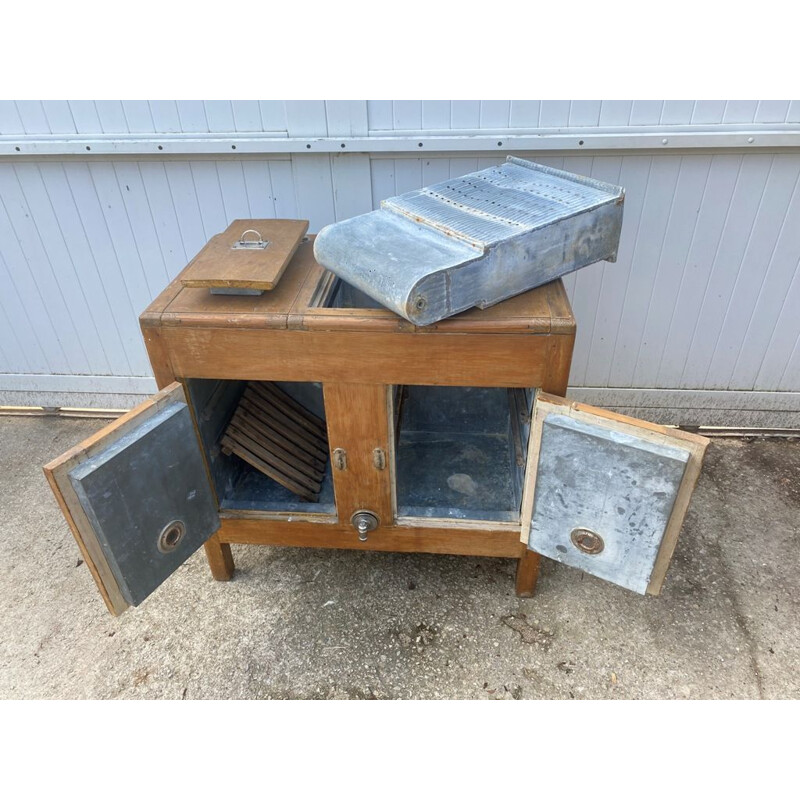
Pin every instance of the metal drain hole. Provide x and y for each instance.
(170, 537)
(587, 541)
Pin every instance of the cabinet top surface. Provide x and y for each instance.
(299, 302)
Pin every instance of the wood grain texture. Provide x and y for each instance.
(280, 438)
(527, 574)
(219, 266)
(159, 357)
(541, 310)
(252, 418)
(359, 422)
(342, 535)
(298, 302)
(525, 341)
(512, 360)
(220, 558)
(359, 354)
(122, 227)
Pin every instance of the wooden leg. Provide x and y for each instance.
(220, 559)
(527, 573)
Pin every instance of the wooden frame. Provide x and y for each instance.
(57, 474)
(357, 354)
(695, 445)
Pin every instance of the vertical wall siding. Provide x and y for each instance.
(351, 117)
(517, 115)
(705, 294)
(85, 247)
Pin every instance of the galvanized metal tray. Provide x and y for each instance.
(475, 240)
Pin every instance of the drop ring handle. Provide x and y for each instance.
(254, 241)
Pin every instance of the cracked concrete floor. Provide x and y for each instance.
(334, 624)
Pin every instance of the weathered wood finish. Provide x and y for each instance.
(467, 541)
(390, 358)
(298, 301)
(220, 558)
(359, 355)
(527, 573)
(276, 435)
(219, 266)
(689, 223)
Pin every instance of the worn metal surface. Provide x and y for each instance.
(475, 240)
(455, 454)
(364, 522)
(616, 486)
(135, 491)
(253, 491)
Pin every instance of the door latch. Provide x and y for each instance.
(340, 458)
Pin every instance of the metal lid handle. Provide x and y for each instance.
(251, 244)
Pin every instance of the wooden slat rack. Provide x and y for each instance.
(279, 437)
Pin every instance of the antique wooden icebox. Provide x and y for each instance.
(303, 413)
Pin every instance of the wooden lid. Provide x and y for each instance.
(238, 259)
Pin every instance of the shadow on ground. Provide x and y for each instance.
(335, 624)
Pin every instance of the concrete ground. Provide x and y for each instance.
(334, 624)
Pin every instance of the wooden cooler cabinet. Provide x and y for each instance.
(435, 441)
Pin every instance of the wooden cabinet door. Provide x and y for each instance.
(137, 497)
(607, 493)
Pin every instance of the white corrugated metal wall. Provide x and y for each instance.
(698, 321)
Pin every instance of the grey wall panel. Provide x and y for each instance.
(468, 115)
(704, 298)
(336, 118)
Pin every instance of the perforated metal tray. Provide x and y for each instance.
(475, 240)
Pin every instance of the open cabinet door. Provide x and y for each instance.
(137, 497)
(607, 493)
